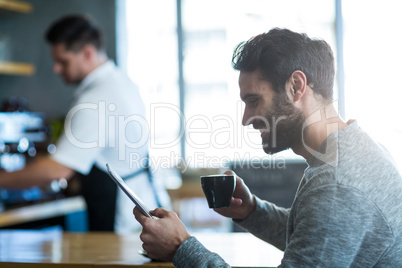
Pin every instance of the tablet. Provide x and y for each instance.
(126, 189)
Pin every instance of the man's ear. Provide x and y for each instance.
(298, 85)
(88, 51)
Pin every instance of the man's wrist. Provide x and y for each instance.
(253, 205)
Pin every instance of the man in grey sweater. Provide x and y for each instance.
(347, 211)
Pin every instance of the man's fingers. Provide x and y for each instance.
(236, 202)
(230, 172)
(139, 216)
(160, 212)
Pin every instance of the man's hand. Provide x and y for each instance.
(242, 203)
(41, 172)
(161, 237)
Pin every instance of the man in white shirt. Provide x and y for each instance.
(106, 124)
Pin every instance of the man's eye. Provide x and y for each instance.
(252, 101)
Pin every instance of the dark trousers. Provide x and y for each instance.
(99, 192)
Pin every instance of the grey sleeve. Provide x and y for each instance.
(268, 222)
(192, 253)
(330, 224)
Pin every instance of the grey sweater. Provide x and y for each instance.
(347, 211)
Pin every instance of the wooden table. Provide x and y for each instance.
(54, 248)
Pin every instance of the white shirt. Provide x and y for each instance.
(107, 124)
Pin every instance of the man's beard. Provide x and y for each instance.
(285, 125)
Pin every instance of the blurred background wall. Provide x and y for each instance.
(24, 35)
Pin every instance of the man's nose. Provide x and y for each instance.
(247, 118)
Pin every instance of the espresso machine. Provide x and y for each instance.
(23, 136)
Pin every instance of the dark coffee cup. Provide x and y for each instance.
(218, 189)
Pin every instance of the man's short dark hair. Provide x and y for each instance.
(279, 52)
(75, 31)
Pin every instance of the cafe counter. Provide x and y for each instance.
(41, 214)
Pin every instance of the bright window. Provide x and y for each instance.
(372, 57)
(152, 63)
